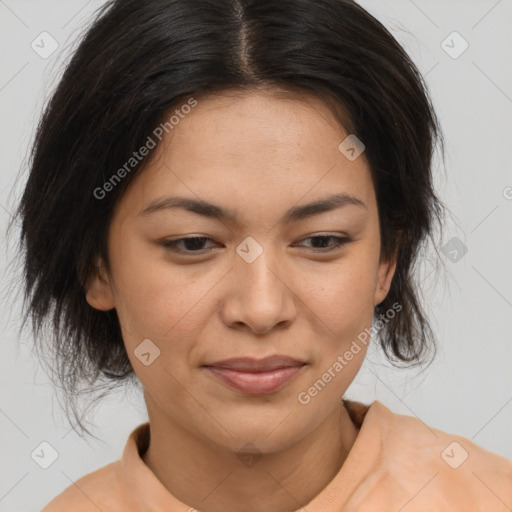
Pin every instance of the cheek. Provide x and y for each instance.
(155, 299)
(341, 294)
(169, 303)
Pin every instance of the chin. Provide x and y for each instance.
(267, 431)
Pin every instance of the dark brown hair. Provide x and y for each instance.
(138, 60)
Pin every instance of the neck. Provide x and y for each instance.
(213, 479)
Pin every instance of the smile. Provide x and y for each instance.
(255, 383)
(256, 377)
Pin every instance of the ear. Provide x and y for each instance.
(98, 291)
(385, 275)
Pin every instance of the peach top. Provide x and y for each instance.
(397, 463)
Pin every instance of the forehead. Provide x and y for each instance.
(268, 118)
(253, 150)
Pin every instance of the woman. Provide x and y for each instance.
(225, 199)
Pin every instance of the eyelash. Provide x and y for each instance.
(173, 244)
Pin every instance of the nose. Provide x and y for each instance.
(259, 296)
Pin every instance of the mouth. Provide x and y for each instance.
(256, 376)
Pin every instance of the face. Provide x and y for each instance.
(268, 278)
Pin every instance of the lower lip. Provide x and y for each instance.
(260, 383)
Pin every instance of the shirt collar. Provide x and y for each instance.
(148, 493)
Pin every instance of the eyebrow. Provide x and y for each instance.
(295, 214)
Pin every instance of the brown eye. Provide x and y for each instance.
(195, 244)
(191, 245)
(322, 240)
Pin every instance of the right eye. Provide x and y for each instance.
(192, 245)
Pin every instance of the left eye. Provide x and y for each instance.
(195, 244)
(339, 241)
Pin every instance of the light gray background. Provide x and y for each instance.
(467, 390)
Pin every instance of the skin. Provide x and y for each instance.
(258, 154)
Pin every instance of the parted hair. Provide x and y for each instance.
(136, 61)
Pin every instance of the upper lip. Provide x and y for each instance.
(249, 364)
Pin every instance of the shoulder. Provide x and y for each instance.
(99, 490)
(114, 487)
(434, 467)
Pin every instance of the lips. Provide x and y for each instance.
(247, 364)
(256, 376)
